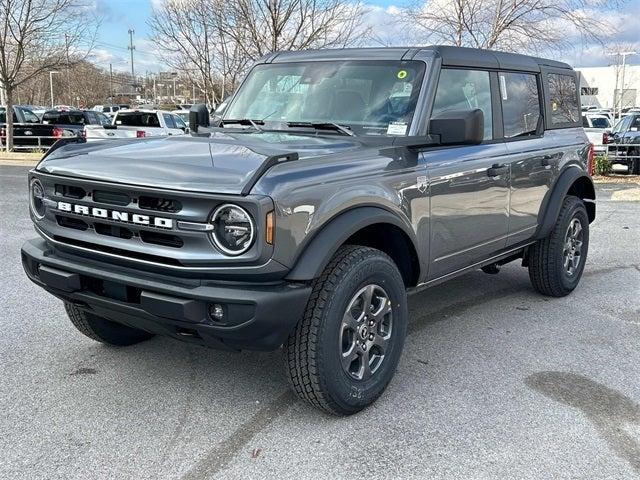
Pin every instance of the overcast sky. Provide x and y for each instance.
(118, 16)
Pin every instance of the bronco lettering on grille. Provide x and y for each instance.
(116, 215)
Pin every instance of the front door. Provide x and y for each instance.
(468, 185)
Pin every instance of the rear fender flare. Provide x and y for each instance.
(551, 205)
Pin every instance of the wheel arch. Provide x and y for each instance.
(367, 226)
(572, 181)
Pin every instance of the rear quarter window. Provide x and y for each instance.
(563, 100)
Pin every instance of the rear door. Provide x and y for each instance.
(532, 157)
(537, 155)
(469, 185)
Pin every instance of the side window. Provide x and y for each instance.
(29, 116)
(168, 120)
(103, 119)
(179, 122)
(520, 103)
(563, 93)
(91, 118)
(622, 125)
(465, 90)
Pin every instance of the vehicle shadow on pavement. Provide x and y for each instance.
(608, 410)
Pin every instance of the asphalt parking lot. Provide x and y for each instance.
(496, 381)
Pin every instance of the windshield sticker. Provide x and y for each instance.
(397, 128)
(402, 74)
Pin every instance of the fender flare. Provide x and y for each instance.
(552, 203)
(318, 252)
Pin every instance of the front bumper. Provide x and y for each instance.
(257, 316)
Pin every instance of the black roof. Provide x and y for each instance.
(451, 56)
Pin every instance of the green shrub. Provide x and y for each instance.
(602, 165)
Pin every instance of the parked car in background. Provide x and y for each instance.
(109, 110)
(139, 124)
(595, 125)
(623, 143)
(29, 132)
(75, 120)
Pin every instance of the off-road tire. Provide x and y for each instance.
(546, 269)
(102, 330)
(312, 352)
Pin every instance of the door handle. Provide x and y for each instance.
(497, 169)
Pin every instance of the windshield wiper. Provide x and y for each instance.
(323, 126)
(243, 121)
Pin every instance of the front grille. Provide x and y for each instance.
(116, 251)
(112, 230)
(137, 223)
(70, 222)
(159, 204)
(111, 198)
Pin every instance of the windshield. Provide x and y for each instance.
(369, 97)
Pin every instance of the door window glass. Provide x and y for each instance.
(520, 104)
(465, 90)
(564, 99)
(168, 120)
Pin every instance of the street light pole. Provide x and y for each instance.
(618, 103)
(51, 84)
(624, 61)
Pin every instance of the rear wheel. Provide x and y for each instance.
(103, 330)
(345, 349)
(556, 262)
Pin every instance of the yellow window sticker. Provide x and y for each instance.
(402, 74)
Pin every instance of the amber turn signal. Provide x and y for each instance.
(271, 224)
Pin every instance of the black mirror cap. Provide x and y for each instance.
(458, 127)
(198, 117)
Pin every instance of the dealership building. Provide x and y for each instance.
(601, 86)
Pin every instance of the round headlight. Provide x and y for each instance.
(36, 198)
(233, 229)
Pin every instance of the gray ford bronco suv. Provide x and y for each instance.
(335, 182)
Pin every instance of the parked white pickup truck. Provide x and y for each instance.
(138, 124)
(595, 125)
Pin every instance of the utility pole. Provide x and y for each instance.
(66, 44)
(132, 48)
(624, 60)
(618, 104)
(111, 83)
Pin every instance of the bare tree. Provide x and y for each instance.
(32, 41)
(217, 39)
(187, 37)
(511, 25)
(264, 26)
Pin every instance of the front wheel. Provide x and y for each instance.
(103, 330)
(345, 349)
(556, 262)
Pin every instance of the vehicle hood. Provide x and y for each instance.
(220, 163)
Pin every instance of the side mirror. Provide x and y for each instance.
(458, 127)
(198, 117)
